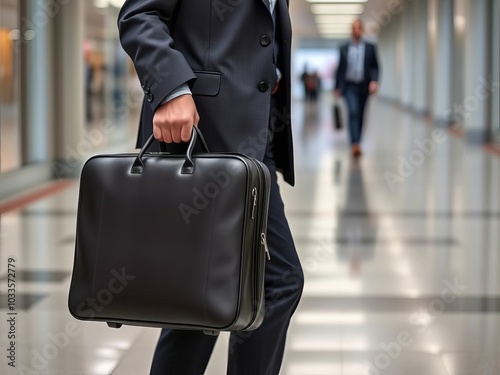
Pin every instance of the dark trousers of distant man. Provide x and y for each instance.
(356, 96)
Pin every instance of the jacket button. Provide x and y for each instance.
(265, 40)
(263, 86)
(150, 97)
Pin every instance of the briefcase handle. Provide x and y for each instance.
(187, 167)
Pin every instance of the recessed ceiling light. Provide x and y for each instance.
(337, 8)
(337, 1)
(332, 18)
(101, 3)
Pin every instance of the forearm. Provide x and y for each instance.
(146, 37)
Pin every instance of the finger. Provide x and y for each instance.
(176, 135)
(186, 133)
(167, 136)
(157, 133)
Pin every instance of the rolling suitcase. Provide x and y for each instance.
(172, 240)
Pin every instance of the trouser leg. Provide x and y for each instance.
(260, 352)
(353, 105)
(181, 352)
(363, 97)
(255, 352)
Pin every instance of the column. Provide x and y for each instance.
(495, 48)
(387, 49)
(421, 55)
(37, 114)
(431, 50)
(71, 148)
(408, 54)
(443, 62)
(399, 42)
(460, 20)
(475, 108)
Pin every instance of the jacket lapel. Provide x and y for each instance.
(367, 55)
(266, 3)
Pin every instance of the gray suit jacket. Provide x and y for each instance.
(223, 49)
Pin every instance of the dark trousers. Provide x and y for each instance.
(356, 96)
(258, 352)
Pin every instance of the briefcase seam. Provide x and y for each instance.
(97, 242)
(208, 264)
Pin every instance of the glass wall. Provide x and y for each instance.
(495, 107)
(26, 85)
(111, 91)
(10, 128)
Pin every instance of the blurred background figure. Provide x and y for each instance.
(312, 84)
(89, 79)
(357, 78)
(303, 78)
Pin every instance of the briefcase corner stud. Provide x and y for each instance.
(211, 332)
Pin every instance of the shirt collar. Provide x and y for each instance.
(360, 43)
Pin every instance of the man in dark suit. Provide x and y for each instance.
(357, 78)
(223, 66)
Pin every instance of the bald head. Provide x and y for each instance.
(357, 29)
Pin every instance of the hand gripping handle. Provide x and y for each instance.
(187, 167)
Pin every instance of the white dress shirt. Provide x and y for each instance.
(356, 62)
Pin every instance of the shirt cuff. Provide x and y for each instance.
(181, 90)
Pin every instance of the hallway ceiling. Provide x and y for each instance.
(305, 23)
(330, 19)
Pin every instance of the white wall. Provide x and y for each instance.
(436, 53)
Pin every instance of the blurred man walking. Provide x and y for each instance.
(357, 78)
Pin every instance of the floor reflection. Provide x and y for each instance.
(357, 230)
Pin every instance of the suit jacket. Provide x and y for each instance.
(223, 49)
(371, 70)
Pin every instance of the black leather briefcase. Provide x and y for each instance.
(337, 117)
(169, 240)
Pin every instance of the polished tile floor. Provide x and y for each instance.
(401, 253)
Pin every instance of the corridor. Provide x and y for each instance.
(400, 251)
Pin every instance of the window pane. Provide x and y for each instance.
(110, 83)
(10, 127)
